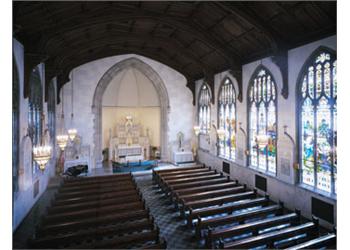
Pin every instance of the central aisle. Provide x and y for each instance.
(172, 228)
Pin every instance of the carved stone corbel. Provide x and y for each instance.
(238, 76)
(281, 60)
(209, 80)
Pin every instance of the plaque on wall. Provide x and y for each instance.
(285, 166)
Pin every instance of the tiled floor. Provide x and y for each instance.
(172, 228)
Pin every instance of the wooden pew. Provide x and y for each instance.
(50, 241)
(225, 208)
(253, 227)
(96, 182)
(165, 183)
(215, 201)
(185, 172)
(182, 175)
(93, 212)
(91, 187)
(212, 193)
(79, 199)
(268, 239)
(239, 217)
(122, 242)
(128, 196)
(91, 204)
(157, 173)
(322, 241)
(219, 180)
(191, 179)
(97, 178)
(108, 219)
(178, 169)
(89, 192)
(186, 191)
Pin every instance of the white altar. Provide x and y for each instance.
(129, 143)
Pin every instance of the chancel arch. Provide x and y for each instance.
(262, 121)
(147, 71)
(317, 120)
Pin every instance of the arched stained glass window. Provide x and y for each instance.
(35, 110)
(51, 109)
(318, 122)
(204, 109)
(227, 119)
(262, 103)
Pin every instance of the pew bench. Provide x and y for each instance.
(225, 208)
(268, 239)
(237, 217)
(253, 227)
(215, 201)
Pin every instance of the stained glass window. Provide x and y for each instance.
(262, 122)
(35, 111)
(204, 109)
(15, 127)
(51, 110)
(318, 127)
(227, 120)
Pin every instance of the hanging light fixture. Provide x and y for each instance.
(42, 152)
(196, 130)
(72, 132)
(62, 137)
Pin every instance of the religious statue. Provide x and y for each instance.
(180, 137)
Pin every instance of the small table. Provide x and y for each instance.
(182, 157)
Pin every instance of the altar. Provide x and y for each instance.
(129, 143)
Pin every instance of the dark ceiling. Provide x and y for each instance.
(198, 39)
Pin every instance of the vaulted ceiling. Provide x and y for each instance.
(198, 39)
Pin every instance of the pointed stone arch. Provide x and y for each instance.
(103, 83)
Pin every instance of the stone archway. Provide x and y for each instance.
(158, 84)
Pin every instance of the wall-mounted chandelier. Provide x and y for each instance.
(62, 137)
(72, 132)
(196, 130)
(42, 152)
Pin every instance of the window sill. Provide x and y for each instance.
(267, 173)
(317, 191)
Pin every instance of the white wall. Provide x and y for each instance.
(283, 186)
(86, 78)
(24, 199)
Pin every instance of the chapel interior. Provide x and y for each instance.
(174, 124)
